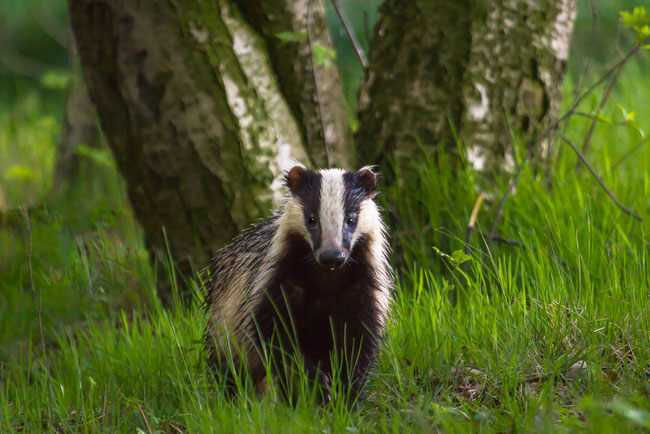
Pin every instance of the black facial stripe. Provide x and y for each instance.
(353, 196)
(309, 195)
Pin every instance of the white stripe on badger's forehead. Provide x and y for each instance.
(332, 212)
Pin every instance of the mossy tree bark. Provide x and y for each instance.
(204, 104)
(191, 105)
(485, 68)
(313, 92)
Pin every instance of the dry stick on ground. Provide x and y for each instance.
(553, 127)
(350, 31)
(599, 179)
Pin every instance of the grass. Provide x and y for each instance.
(551, 336)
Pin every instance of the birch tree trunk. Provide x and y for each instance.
(487, 68)
(190, 102)
(204, 102)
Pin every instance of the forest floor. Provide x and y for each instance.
(549, 334)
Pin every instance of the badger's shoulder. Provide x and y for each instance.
(241, 258)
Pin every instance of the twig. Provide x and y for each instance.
(600, 181)
(318, 99)
(353, 38)
(498, 238)
(553, 127)
(597, 118)
(632, 150)
(603, 101)
(600, 81)
(511, 185)
(472, 221)
(366, 27)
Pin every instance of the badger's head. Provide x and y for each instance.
(332, 209)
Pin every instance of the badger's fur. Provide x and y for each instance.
(315, 277)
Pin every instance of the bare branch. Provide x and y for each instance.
(608, 92)
(552, 128)
(600, 181)
(632, 150)
(512, 184)
(350, 31)
(597, 118)
(600, 81)
(498, 238)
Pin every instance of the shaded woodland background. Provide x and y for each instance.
(559, 284)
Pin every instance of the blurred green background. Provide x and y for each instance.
(85, 253)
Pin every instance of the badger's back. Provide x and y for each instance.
(230, 281)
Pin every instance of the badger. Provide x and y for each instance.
(313, 280)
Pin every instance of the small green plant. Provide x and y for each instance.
(638, 21)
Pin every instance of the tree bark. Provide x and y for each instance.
(486, 68)
(79, 128)
(313, 92)
(198, 123)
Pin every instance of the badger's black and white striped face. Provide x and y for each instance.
(337, 208)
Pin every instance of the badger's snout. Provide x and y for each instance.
(331, 259)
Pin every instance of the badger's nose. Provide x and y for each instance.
(331, 258)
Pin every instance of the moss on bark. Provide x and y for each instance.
(192, 110)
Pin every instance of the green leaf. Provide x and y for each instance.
(638, 20)
(286, 37)
(323, 55)
(458, 257)
(99, 156)
(55, 79)
(19, 173)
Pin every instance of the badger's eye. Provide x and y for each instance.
(311, 221)
(351, 220)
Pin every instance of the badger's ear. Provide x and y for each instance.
(293, 177)
(367, 179)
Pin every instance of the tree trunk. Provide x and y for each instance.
(486, 69)
(200, 127)
(79, 128)
(313, 92)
